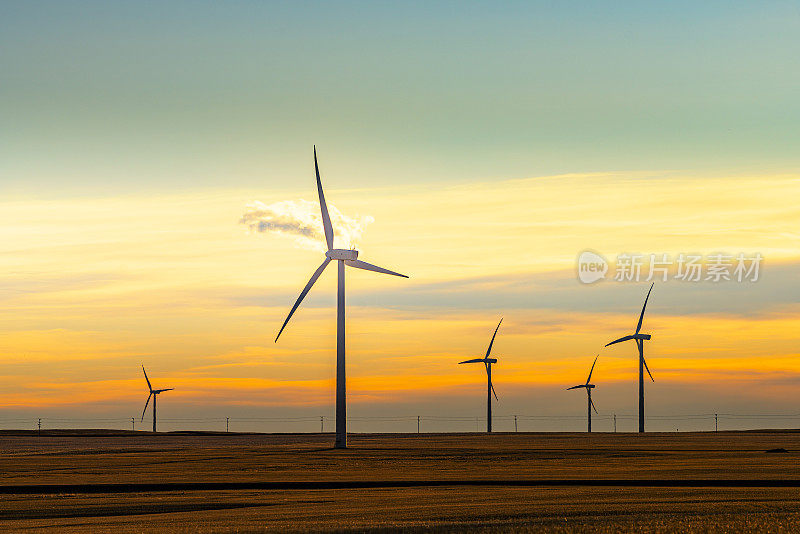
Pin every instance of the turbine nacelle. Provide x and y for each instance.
(341, 254)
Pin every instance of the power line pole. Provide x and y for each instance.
(39, 430)
(615, 423)
(417, 424)
(716, 423)
(227, 421)
(321, 424)
(133, 423)
(515, 424)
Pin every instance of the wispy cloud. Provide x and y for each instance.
(301, 220)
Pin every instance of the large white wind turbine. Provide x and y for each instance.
(154, 394)
(589, 387)
(640, 339)
(489, 388)
(348, 258)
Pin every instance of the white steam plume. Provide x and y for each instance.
(302, 220)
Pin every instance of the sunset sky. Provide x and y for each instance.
(478, 150)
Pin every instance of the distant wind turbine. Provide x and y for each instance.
(348, 258)
(490, 388)
(640, 339)
(589, 387)
(154, 394)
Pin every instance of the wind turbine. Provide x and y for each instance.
(589, 387)
(490, 388)
(640, 339)
(154, 394)
(350, 259)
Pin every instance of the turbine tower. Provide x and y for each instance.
(640, 339)
(154, 394)
(348, 258)
(490, 388)
(589, 387)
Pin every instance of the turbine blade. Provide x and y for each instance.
(148, 380)
(358, 264)
(593, 406)
(493, 391)
(163, 390)
(648, 369)
(476, 360)
(304, 293)
(620, 340)
(592, 369)
(576, 387)
(145, 404)
(641, 316)
(326, 219)
(489, 350)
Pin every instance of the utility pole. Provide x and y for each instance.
(133, 423)
(716, 423)
(515, 424)
(39, 431)
(615, 423)
(321, 424)
(417, 424)
(227, 421)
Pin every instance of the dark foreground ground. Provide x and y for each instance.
(140, 482)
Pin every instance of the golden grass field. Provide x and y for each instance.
(453, 482)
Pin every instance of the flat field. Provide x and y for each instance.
(70, 481)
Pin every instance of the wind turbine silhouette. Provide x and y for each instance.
(153, 394)
(589, 387)
(490, 388)
(640, 339)
(348, 258)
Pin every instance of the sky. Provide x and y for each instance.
(156, 169)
